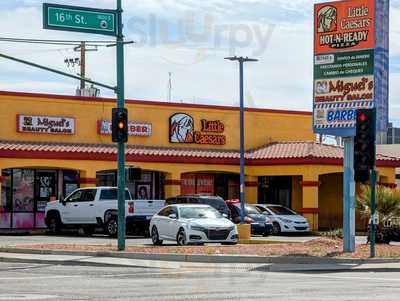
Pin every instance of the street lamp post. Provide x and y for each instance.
(241, 60)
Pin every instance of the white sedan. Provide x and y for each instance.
(284, 219)
(192, 224)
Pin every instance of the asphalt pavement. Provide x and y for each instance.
(21, 281)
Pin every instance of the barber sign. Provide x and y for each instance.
(134, 128)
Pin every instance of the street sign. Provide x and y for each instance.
(81, 19)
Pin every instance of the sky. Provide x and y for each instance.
(189, 39)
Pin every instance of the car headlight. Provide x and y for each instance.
(197, 228)
(285, 220)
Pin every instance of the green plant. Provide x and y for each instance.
(333, 233)
(387, 203)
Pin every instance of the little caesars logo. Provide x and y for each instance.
(346, 32)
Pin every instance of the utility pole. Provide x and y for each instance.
(83, 64)
(169, 86)
(241, 60)
(83, 49)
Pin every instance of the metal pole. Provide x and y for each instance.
(348, 196)
(242, 184)
(374, 176)
(83, 64)
(121, 146)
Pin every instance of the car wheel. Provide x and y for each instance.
(155, 238)
(54, 226)
(181, 238)
(276, 229)
(88, 230)
(112, 227)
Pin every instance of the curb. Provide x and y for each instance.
(207, 258)
(66, 262)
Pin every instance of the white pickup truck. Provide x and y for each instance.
(93, 207)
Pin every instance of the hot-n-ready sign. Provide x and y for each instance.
(345, 59)
(344, 25)
(45, 124)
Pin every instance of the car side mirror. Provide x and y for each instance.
(172, 216)
(62, 201)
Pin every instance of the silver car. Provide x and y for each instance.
(192, 224)
(284, 219)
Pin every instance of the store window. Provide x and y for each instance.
(70, 183)
(275, 190)
(5, 202)
(106, 178)
(23, 192)
(150, 185)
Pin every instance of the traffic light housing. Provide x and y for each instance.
(119, 125)
(364, 144)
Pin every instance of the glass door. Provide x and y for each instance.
(46, 187)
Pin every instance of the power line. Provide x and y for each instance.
(55, 42)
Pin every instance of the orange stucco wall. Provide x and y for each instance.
(261, 126)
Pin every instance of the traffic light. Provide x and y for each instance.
(364, 144)
(119, 125)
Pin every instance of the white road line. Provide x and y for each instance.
(345, 277)
(150, 274)
(37, 277)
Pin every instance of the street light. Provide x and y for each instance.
(241, 60)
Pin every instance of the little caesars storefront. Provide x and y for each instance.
(51, 145)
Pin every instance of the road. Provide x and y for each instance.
(49, 282)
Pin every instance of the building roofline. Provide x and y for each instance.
(150, 103)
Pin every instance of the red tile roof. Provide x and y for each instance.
(274, 153)
(302, 149)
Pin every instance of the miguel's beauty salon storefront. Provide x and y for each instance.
(52, 144)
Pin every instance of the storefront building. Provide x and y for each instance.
(51, 144)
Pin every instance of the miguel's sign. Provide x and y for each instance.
(45, 124)
(344, 89)
(181, 130)
(344, 25)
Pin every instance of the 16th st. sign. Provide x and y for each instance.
(81, 19)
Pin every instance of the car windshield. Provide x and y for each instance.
(279, 210)
(252, 210)
(199, 212)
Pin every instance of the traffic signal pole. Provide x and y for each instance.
(348, 197)
(374, 176)
(121, 145)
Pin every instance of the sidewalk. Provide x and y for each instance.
(214, 262)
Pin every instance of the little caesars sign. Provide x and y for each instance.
(345, 63)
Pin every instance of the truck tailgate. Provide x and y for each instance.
(147, 207)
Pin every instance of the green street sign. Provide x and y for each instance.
(81, 19)
(344, 64)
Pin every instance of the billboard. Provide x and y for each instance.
(344, 25)
(347, 74)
